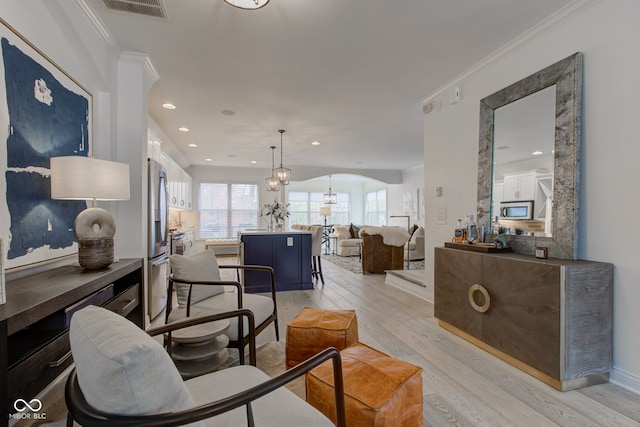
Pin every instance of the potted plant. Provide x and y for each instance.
(277, 212)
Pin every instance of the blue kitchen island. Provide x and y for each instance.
(288, 252)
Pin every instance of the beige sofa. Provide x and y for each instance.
(345, 244)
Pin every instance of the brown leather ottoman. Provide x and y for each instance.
(314, 330)
(378, 389)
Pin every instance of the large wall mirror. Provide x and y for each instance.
(528, 160)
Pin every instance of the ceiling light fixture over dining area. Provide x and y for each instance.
(330, 198)
(272, 182)
(283, 174)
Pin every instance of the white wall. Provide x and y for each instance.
(119, 85)
(607, 33)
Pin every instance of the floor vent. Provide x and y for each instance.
(151, 8)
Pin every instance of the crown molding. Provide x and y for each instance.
(95, 21)
(567, 12)
(141, 58)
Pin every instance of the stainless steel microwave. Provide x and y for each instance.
(516, 210)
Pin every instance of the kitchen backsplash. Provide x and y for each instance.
(182, 219)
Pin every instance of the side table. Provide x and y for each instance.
(333, 244)
(200, 349)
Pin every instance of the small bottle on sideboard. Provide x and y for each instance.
(472, 230)
(459, 233)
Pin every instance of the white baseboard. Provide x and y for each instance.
(625, 379)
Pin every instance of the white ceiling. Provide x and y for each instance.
(350, 74)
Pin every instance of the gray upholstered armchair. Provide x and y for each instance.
(200, 291)
(124, 377)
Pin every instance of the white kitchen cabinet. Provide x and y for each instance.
(519, 186)
(180, 184)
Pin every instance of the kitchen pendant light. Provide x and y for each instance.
(247, 4)
(330, 198)
(283, 174)
(272, 182)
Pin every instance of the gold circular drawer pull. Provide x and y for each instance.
(479, 298)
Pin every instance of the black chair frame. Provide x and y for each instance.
(83, 413)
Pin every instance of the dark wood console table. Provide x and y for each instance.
(551, 318)
(34, 337)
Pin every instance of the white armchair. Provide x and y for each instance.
(415, 246)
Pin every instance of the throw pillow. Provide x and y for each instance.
(121, 369)
(342, 232)
(201, 266)
(355, 231)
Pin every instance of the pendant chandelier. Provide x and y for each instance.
(272, 182)
(247, 4)
(330, 198)
(283, 174)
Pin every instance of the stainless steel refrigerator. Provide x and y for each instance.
(158, 257)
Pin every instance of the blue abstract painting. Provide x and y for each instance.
(46, 114)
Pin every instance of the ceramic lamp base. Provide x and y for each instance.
(94, 254)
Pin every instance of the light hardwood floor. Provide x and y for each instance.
(463, 385)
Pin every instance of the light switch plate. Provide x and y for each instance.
(289, 241)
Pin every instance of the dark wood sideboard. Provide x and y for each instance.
(551, 318)
(34, 338)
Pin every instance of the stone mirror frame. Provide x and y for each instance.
(566, 75)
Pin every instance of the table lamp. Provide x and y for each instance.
(86, 178)
(325, 212)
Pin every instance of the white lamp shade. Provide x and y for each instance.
(325, 211)
(84, 178)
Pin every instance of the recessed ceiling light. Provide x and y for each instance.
(169, 106)
(193, 145)
(253, 162)
(208, 160)
(228, 112)
(315, 143)
(183, 129)
(537, 153)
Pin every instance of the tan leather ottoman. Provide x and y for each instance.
(314, 330)
(378, 389)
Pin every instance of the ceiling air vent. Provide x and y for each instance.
(152, 8)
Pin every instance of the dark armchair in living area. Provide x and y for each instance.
(201, 291)
(382, 249)
(124, 377)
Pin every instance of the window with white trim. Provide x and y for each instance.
(224, 209)
(305, 208)
(376, 208)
